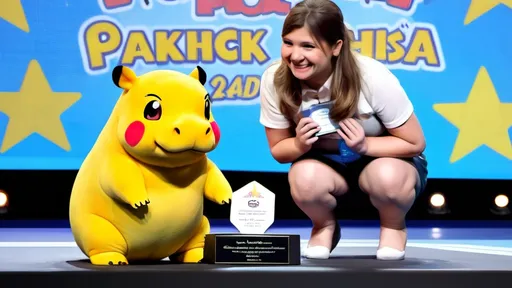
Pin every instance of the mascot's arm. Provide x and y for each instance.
(122, 179)
(217, 188)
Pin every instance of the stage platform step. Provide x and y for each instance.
(353, 264)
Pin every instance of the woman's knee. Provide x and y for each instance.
(312, 181)
(389, 180)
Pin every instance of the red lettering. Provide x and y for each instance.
(237, 7)
(399, 4)
(113, 4)
(207, 7)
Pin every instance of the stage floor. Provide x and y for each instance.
(433, 254)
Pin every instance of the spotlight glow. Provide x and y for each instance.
(437, 200)
(3, 199)
(501, 201)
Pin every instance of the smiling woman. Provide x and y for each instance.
(370, 112)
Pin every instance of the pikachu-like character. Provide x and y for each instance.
(139, 193)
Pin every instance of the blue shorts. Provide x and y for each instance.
(351, 171)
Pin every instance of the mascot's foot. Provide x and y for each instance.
(387, 253)
(194, 255)
(109, 258)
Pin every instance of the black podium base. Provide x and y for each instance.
(252, 249)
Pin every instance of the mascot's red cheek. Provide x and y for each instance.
(134, 133)
(216, 131)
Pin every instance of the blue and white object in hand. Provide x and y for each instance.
(347, 155)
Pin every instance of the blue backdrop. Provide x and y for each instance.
(453, 58)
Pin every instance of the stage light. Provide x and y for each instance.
(3, 199)
(501, 201)
(437, 200)
(436, 233)
(500, 206)
(4, 202)
(438, 204)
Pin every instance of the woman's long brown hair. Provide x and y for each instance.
(324, 20)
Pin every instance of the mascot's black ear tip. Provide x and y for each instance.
(116, 74)
(202, 75)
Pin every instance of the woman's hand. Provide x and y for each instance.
(353, 134)
(305, 131)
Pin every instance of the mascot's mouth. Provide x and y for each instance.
(179, 150)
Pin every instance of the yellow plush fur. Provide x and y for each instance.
(139, 192)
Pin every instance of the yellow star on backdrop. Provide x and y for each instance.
(12, 12)
(35, 109)
(479, 7)
(482, 120)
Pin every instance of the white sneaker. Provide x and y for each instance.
(317, 252)
(390, 254)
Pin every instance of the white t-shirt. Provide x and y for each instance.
(382, 98)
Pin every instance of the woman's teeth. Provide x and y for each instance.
(301, 66)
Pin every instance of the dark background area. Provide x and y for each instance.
(44, 195)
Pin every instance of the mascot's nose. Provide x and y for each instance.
(192, 129)
(178, 131)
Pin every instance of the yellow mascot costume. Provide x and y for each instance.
(139, 193)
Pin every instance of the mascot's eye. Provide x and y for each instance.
(153, 110)
(207, 108)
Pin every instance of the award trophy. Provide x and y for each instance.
(252, 213)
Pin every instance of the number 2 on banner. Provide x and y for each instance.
(243, 87)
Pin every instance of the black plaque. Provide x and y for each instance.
(249, 249)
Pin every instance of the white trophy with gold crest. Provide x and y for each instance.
(252, 213)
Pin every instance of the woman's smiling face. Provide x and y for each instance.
(308, 59)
